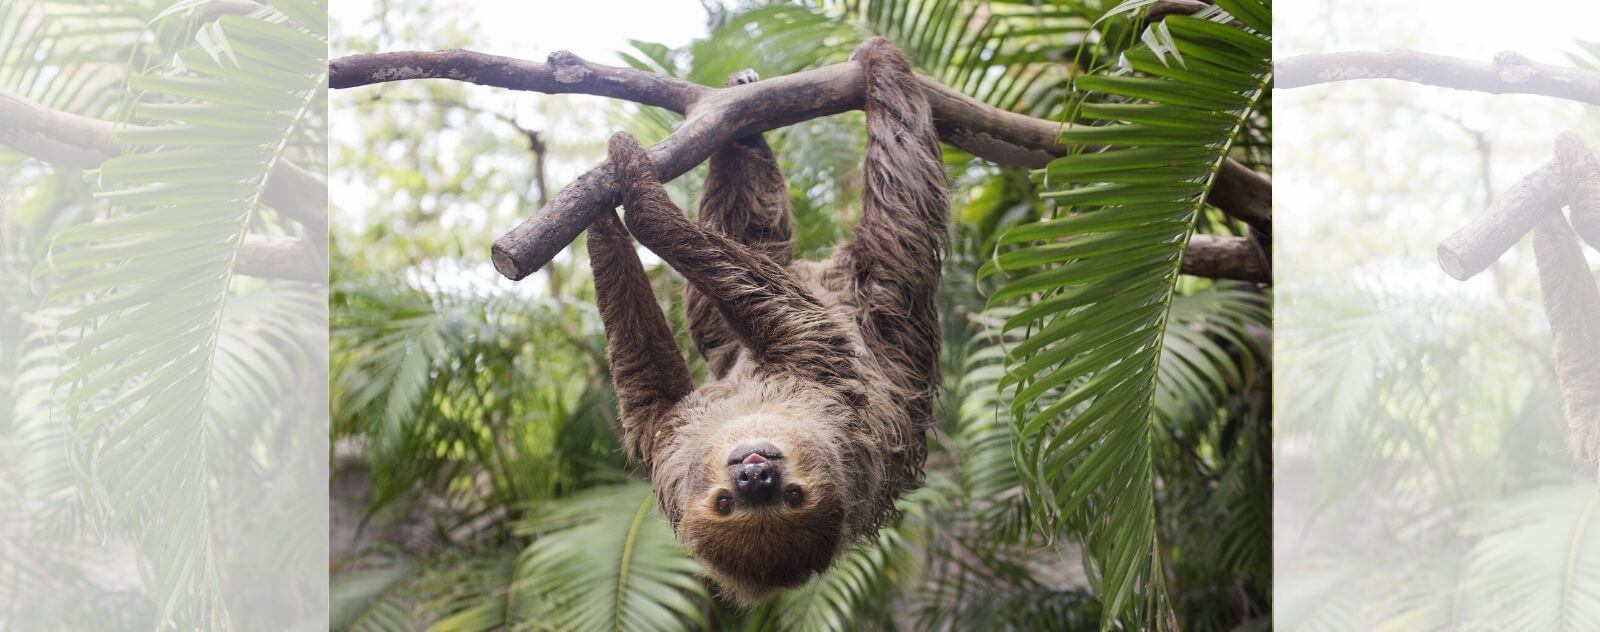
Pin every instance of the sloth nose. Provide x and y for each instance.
(755, 481)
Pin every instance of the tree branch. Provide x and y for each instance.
(1530, 201)
(1221, 257)
(714, 115)
(62, 138)
(288, 258)
(1161, 9)
(1510, 73)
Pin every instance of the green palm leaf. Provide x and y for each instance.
(1005, 54)
(603, 560)
(376, 597)
(1532, 566)
(151, 282)
(1097, 284)
(68, 55)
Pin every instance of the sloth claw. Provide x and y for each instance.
(743, 77)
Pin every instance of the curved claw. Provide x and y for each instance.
(743, 77)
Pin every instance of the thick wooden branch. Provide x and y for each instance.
(563, 73)
(1480, 243)
(66, 139)
(288, 258)
(1220, 257)
(1510, 73)
(1160, 10)
(712, 116)
(71, 140)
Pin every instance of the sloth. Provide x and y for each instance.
(822, 373)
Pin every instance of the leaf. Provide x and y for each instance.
(604, 560)
(1101, 362)
(151, 365)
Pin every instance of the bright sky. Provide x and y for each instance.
(1475, 29)
(594, 29)
(1519, 127)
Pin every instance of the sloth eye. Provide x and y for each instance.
(794, 496)
(724, 503)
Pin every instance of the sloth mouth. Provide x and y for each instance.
(754, 452)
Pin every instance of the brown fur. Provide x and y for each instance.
(833, 362)
(1572, 303)
(1580, 170)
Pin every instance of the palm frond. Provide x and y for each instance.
(1008, 55)
(150, 283)
(376, 597)
(1533, 566)
(430, 381)
(985, 433)
(1197, 366)
(1097, 286)
(604, 560)
(67, 55)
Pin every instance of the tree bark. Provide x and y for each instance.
(1480, 243)
(714, 115)
(286, 258)
(62, 138)
(1510, 73)
(1537, 196)
(1221, 257)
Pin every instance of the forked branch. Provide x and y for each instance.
(1572, 177)
(712, 116)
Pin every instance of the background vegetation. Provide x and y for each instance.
(1102, 452)
(1423, 477)
(161, 406)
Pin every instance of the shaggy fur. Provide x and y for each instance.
(1580, 171)
(1572, 303)
(834, 363)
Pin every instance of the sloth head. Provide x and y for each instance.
(764, 509)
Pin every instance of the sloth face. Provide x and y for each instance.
(765, 511)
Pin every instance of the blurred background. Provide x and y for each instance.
(1423, 479)
(477, 482)
(163, 315)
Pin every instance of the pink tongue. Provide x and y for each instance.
(754, 457)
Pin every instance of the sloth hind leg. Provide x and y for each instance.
(746, 199)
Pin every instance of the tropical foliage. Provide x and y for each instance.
(1424, 479)
(157, 391)
(1102, 453)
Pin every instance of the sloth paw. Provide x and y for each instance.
(878, 50)
(629, 162)
(642, 193)
(742, 77)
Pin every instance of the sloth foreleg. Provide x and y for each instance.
(896, 249)
(786, 328)
(650, 375)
